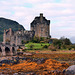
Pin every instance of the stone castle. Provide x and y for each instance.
(13, 40)
(16, 38)
(40, 25)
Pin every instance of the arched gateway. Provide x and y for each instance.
(10, 43)
(7, 49)
(0, 51)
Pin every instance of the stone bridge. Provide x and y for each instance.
(7, 49)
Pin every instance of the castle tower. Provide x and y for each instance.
(41, 26)
(4, 37)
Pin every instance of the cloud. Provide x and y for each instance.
(61, 13)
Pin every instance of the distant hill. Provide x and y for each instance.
(73, 39)
(6, 24)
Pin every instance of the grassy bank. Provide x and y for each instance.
(36, 46)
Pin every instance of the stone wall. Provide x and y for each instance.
(17, 37)
(7, 49)
(41, 30)
(41, 26)
(12, 40)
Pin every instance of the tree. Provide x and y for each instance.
(35, 40)
(65, 41)
(41, 38)
(57, 43)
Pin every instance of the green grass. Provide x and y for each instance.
(36, 45)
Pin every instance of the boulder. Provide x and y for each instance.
(70, 70)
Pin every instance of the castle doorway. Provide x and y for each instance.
(7, 51)
(0, 51)
(13, 50)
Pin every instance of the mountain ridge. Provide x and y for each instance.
(8, 23)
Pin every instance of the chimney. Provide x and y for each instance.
(41, 17)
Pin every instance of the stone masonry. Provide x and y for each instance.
(13, 40)
(41, 26)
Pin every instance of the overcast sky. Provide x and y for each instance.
(60, 12)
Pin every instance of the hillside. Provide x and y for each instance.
(6, 24)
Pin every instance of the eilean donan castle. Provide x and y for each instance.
(40, 27)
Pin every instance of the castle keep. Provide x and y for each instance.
(13, 40)
(40, 25)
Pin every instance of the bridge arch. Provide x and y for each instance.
(7, 51)
(0, 51)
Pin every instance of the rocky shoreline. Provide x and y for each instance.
(21, 65)
(17, 60)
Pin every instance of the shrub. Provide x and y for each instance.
(41, 38)
(52, 48)
(41, 41)
(45, 46)
(35, 40)
(41, 45)
(31, 46)
(64, 46)
(70, 48)
(57, 43)
(23, 41)
(67, 41)
(74, 48)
